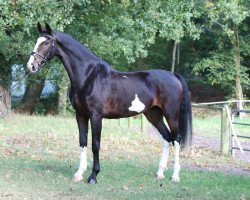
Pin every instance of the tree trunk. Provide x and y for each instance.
(178, 58)
(238, 87)
(31, 96)
(174, 56)
(5, 101)
(63, 93)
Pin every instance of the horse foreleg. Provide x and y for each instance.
(175, 176)
(83, 138)
(96, 126)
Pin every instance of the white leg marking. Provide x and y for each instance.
(136, 105)
(164, 159)
(82, 166)
(175, 176)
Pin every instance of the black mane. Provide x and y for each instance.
(79, 49)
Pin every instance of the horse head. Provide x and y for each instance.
(44, 49)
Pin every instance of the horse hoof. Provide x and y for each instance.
(175, 179)
(77, 178)
(92, 181)
(159, 177)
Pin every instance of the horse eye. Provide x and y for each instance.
(46, 43)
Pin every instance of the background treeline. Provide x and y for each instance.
(206, 41)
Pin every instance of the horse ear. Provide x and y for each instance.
(39, 27)
(48, 29)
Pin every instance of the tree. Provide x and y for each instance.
(125, 32)
(118, 31)
(18, 19)
(177, 20)
(224, 64)
(63, 93)
(5, 100)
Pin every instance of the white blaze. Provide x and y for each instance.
(39, 41)
(137, 105)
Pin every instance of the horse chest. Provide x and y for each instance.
(78, 104)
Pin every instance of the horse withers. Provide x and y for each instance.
(98, 91)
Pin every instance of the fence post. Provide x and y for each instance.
(225, 131)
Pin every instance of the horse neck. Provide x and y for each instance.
(76, 59)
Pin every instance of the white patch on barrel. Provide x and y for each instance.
(137, 105)
(39, 41)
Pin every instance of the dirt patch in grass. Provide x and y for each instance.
(19, 139)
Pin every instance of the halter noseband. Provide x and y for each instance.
(44, 58)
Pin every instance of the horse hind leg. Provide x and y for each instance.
(173, 125)
(175, 176)
(163, 160)
(155, 117)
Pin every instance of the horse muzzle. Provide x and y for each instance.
(32, 65)
(33, 68)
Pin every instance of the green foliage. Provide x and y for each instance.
(18, 21)
(47, 105)
(228, 20)
(176, 19)
(118, 31)
(226, 13)
(219, 69)
(133, 35)
(5, 73)
(69, 108)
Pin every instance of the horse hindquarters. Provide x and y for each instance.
(176, 108)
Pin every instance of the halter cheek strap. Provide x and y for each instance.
(45, 58)
(38, 55)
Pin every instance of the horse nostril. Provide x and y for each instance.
(33, 68)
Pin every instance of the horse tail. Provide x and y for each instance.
(185, 116)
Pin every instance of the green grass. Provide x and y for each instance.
(208, 126)
(39, 155)
(119, 179)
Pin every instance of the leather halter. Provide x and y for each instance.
(44, 58)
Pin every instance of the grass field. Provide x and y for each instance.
(39, 156)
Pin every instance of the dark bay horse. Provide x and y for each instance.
(98, 91)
